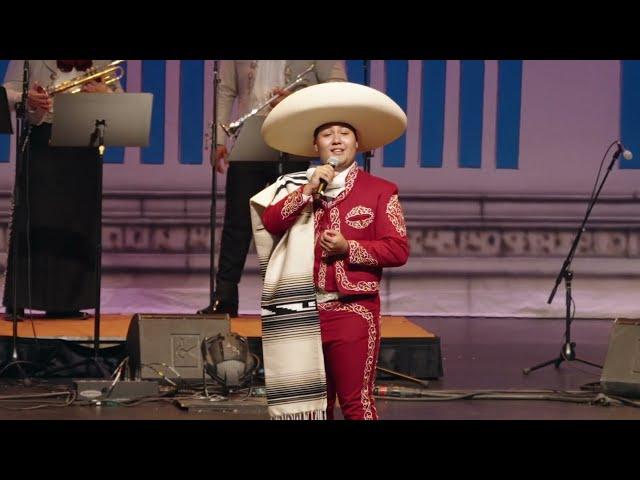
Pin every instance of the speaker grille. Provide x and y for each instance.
(621, 372)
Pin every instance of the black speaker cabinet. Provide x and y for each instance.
(621, 372)
(161, 343)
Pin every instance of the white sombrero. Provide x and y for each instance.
(377, 119)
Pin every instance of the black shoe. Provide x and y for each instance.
(219, 307)
(8, 314)
(65, 314)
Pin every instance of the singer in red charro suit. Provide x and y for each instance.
(358, 225)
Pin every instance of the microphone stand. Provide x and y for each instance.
(214, 175)
(23, 132)
(568, 352)
(368, 154)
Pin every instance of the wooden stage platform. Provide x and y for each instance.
(405, 347)
(114, 327)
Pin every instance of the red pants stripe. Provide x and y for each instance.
(351, 342)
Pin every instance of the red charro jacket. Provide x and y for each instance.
(369, 216)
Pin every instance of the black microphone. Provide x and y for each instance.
(398, 391)
(333, 161)
(626, 154)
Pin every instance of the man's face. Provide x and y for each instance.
(339, 141)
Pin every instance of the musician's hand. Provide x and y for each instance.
(333, 242)
(96, 87)
(279, 91)
(38, 99)
(325, 172)
(221, 159)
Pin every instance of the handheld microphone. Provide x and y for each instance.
(333, 161)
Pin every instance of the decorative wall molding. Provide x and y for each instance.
(142, 228)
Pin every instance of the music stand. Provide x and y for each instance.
(249, 145)
(101, 120)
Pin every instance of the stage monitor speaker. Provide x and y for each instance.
(621, 372)
(158, 343)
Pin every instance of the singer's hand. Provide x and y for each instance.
(38, 99)
(220, 158)
(325, 172)
(333, 242)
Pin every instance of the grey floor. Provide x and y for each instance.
(490, 353)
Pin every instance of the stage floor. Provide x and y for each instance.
(477, 353)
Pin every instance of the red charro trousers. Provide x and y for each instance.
(351, 342)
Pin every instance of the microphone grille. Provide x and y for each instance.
(333, 161)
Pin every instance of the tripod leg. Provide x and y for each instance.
(586, 362)
(557, 361)
(424, 383)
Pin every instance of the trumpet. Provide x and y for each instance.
(109, 74)
(232, 128)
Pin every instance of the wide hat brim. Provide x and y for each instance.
(377, 119)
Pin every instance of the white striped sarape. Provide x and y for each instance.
(291, 342)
